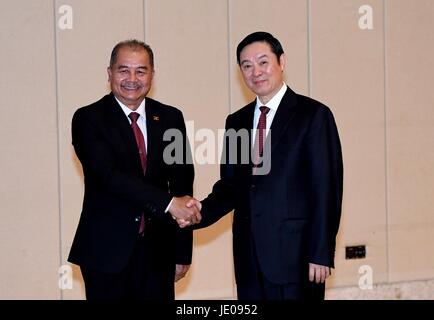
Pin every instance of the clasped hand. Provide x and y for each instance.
(185, 210)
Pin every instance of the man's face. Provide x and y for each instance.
(131, 76)
(261, 70)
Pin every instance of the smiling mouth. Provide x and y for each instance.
(131, 86)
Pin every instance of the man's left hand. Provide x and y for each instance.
(318, 273)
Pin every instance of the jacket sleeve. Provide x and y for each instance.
(326, 176)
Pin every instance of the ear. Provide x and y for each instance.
(109, 73)
(282, 61)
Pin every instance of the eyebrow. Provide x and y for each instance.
(260, 57)
(122, 66)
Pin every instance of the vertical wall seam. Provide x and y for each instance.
(230, 72)
(144, 20)
(386, 171)
(229, 39)
(59, 184)
(309, 49)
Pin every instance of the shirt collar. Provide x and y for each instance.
(140, 110)
(274, 102)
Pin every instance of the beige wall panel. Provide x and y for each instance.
(29, 229)
(347, 66)
(410, 144)
(287, 21)
(191, 60)
(83, 57)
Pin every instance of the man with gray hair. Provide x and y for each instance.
(127, 244)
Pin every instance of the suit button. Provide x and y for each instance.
(253, 187)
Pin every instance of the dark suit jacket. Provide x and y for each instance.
(292, 213)
(117, 192)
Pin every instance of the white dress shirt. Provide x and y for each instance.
(273, 104)
(141, 121)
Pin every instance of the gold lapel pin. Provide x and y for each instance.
(156, 118)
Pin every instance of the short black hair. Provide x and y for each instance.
(132, 44)
(261, 36)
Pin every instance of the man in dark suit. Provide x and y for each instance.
(287, 199)
(127, 244)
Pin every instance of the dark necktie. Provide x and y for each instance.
(140, 140)
(260, 133)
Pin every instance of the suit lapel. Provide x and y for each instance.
(246, 122)
(120, 127)
(153, 129)
(285, 113)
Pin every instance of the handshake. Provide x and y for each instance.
(186, 211)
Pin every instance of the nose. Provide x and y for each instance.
(257, 71)
(132, 76)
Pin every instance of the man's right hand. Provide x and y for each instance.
(182, 214)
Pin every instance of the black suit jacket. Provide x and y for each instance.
(292, 213)
(117, 192)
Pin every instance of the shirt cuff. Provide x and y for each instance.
(170, 203)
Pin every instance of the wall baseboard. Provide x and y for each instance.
(412, 290)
